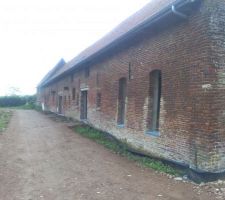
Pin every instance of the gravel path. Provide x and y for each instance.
(43, 159)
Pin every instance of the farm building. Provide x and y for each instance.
(156, 81)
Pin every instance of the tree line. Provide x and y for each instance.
(15, 100)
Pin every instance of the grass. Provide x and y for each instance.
(122, 149)
(5, 116)
(25, 107)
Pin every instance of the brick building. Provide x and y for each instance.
(156, 81)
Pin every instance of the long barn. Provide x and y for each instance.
(156, 81)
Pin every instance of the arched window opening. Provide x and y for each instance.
(154, 100)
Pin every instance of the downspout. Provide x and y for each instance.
(178, 13)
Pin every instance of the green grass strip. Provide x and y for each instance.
(5, 116)
(122, 149)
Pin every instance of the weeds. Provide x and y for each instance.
(122, 149)
(27, 106)
(4, 119)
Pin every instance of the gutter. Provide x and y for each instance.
(178, 13)
(146, 24)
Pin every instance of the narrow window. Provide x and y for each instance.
(66, 88)
(60, 104)
(69, 100)
(73, 93)
(71, 77)
(121, 101)
(155, 96)
(97, 79)
(98, 100)
(53, 96)
(129, 71)
(78, 83)
(77, 103)
(64, 100)
(87, 72)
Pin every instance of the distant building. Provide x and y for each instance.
(157, 81)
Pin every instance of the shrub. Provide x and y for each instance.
(14, 101)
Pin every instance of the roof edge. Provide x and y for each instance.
(147, 23)
(59, 64)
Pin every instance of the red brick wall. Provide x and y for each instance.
(190, 56)
(216, 33)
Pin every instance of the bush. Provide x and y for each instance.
(5, 116)
(14, 101)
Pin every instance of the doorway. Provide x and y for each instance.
(60, 105)
(83, 105)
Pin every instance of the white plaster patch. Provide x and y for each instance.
(60, 93)
(84, 89)
(84, 86)
(206, 86)
(43, 106)
(145, 112)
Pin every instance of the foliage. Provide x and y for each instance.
(122, 149)
(14, 101)
(9, 101)
(4, 119)
(37, 108)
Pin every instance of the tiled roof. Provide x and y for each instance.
(133, 22)
(54, 70)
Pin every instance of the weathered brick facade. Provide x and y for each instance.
(191, 57)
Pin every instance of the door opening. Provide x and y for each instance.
(60, 105)
(83, 105)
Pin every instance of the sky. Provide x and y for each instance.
(36, 34)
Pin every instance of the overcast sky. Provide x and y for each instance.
(35, 34)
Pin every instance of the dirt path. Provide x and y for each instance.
(42, 159)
